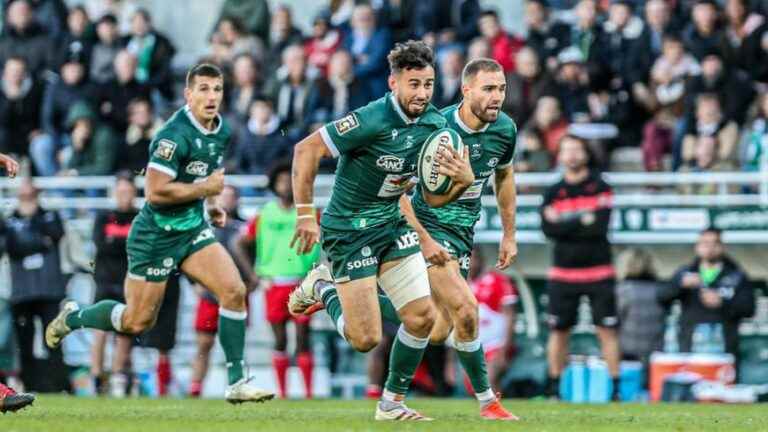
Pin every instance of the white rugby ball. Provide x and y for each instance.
(428, 168)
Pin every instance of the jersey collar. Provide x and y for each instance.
(463, 126)
(399, 110)
(200, 127)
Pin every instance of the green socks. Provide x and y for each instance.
(105, 315)
(332, 304)
(232, 339)
(472, 359)
(407, 351)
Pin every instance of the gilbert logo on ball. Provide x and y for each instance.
(428, 166)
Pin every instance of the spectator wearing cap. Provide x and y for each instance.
(246, 82)
(448, 80)
(710, 141)
(60, 94)
(113, 97)
(282, 34)
(133, 152)
(230, 40)
(92, 147)
(369, 46)
(504, 46)
(525, 86)
(104, 50)
(703, 35)
(23, 37)
(732, 86)
(77, 40)
(571, 85)
(20, 100)
(545, 35)
(324, 41)
(154, 53)
(260, 142)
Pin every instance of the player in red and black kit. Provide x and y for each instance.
(576, 214)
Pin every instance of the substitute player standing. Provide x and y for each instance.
(364, 235)
(446, 231)
(171, 232)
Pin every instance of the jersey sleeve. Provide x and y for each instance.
(166, 152)
(510, 139)
(354, 130)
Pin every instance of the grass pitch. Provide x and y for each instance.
(65, 414)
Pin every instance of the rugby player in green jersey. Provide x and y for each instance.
(364, 235)
(171, 233)
(446, 232)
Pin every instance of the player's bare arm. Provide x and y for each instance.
(306, 159)
(506, 196)
(432, 250)
(457, 167)
(162, 190)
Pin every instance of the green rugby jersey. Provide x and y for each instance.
(490, 148)
(377, 146)
(189, 153)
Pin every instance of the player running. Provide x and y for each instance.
(171, 232)
(365, 237)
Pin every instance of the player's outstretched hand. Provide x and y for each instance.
(214, 184)
(306, 235)
(455, 165)
(507, 253)
(434, 252)
(10, 165)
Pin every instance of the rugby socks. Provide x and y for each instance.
(232, 339)
(407, 351)
(616, 392)
(105, 315)
(280, 363)
(332, 304)
(164, 375)
(472, 359)
(306, 363)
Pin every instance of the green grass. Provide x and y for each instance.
(64, 414)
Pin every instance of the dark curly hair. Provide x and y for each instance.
(279, 167)
(410, 55)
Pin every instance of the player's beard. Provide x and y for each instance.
(481, 112)
(406, 104)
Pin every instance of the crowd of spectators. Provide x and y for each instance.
(678, 81)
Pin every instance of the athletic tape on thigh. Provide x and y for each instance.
(117, 316)
(406, 282)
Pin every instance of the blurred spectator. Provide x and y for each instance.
(744, 31)
(588, 37)
(253, 13)
(50, 15)
(525, 86)
(641, 316)
(246, 82)
(324, 41)
(113, 97)
(575, 216)
(23, 37)
(546, 35)
(622, 35)
(20, 100)
(571, 85)
(333, 97)
(533, 155)
(289, 89)
(341, 12)
(70, 87)
(650, 42)
(231, 40)
(123, 10)
(105, 50)
(77, 40)
(133, 153)
(731, 85)
(369, 46)
(548, 122)
(32, 237)
(754, 141)
(92, 147)
(711, 141)
(110, 231)
(703, 35)
(282, 34)
(714, 293)
(504, 46)
(449, 21)
(448, 79)
(478, 48)
(260, 142)
(154, 53)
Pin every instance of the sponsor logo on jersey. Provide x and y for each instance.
(492, 162)
(197, 168)
(199, 143)
(408, 240)
(212, 149)
(168, 262)
(165, 149)
(464, 262)
(485, 173)
(390, 163)
(346, 123)
(409, 141)
(476, 151)
(394, 134)
(365, 262)
(204, 235)
(365, 251)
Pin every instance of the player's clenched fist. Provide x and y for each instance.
(11, 166)
(214, 184)
(306, 235)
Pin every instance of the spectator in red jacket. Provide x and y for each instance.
(504, 46)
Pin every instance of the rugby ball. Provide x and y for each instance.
(427, 168)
